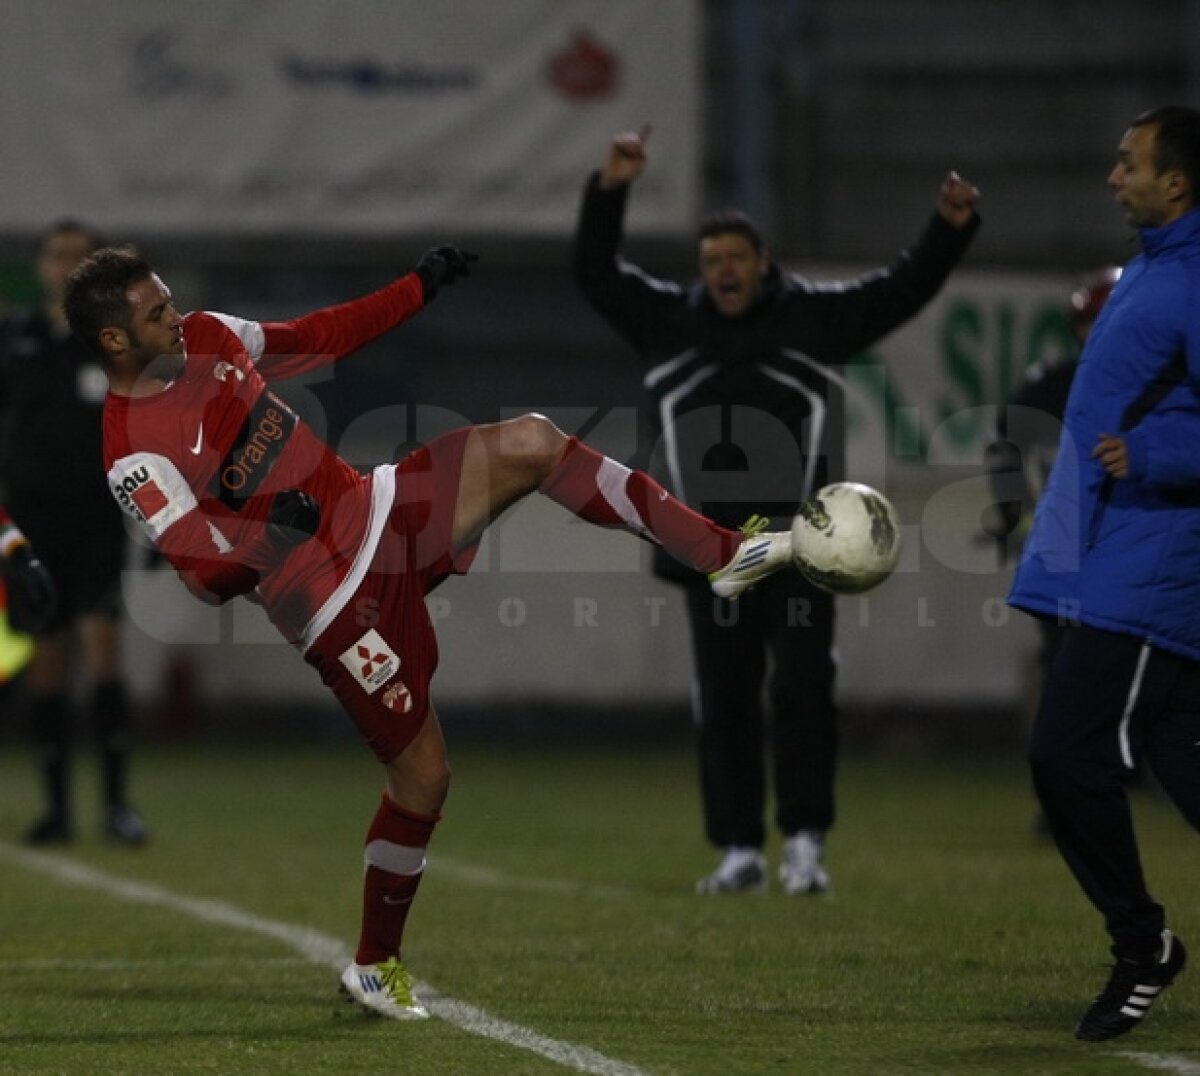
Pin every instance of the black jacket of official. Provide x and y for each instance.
(52, 393)
(749, 410)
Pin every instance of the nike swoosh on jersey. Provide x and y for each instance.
(195, 449)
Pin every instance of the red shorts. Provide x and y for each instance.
(379, 652)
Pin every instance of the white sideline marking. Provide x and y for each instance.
(317, 948)
(101, 964)
(489, 878)
(1181, 1066)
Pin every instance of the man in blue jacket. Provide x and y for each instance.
(1115, 556)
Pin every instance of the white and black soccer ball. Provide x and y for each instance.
(846, 539)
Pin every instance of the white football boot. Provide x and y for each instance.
(759, 555)
(385, 989)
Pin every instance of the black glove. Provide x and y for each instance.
(32, 597)
(294, 518)
(443, 265)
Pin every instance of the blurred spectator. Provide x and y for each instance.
(1027, 435)
(1027, 429)
(51, 393)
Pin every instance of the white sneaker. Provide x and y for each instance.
(385, 989)
(742, 870)
(801, 870)
(758, 556)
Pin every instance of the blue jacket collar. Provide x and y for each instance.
(1181, 232)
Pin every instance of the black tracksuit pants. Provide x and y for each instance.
(773, 646)
(1110, 700)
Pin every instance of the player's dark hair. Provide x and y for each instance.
(1176, 142)
(96, 292)
(732, 221)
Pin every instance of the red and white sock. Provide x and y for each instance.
(395, 863)
(609, 494)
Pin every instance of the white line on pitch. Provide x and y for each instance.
(103, 964)
(1180, 1066)
(489, 878)
(316, 948)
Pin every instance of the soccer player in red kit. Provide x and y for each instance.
(244, 499)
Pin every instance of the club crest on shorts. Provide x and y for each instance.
(371, 662)
(397, 697)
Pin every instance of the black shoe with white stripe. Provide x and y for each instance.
(1131, 990)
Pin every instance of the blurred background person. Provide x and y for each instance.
(1020, 458)
(51, 393)
(1018, 461)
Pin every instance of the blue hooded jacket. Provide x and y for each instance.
(1123, 555)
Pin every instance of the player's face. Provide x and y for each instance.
(155, 327)
(732, 271)
(1146, 195)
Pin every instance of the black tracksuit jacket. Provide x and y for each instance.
(750, 409)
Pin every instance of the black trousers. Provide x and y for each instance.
(1109, 701)
(763, 684)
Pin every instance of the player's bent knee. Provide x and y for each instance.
(535, 439)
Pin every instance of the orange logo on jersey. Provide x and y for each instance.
(268, 429)
(257, 447)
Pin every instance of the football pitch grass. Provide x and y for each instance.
(556, 930)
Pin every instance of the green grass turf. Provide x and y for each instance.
(559, 899)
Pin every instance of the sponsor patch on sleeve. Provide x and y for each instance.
(149, 498)
(150, 488)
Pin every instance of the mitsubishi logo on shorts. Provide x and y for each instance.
(371, 662)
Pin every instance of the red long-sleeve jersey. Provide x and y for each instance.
(197, 464)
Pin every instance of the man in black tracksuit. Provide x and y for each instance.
(743, 377)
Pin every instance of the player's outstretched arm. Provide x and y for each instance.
(325, 336)
(441, 266)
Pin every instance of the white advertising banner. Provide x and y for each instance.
(361, 117)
